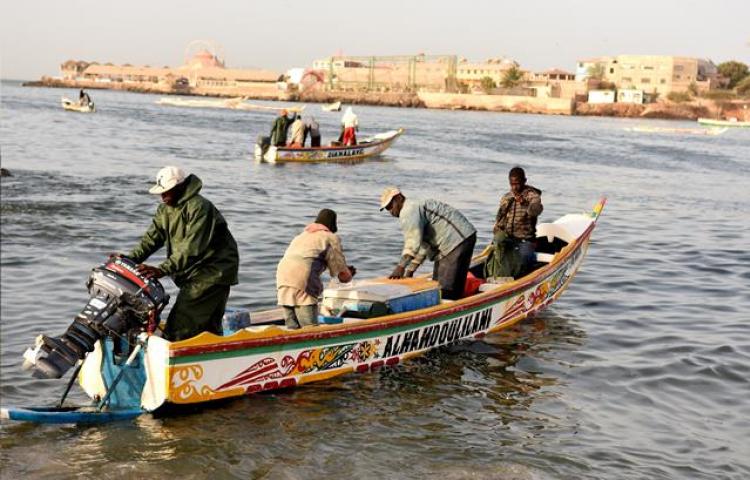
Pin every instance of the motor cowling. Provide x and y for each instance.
(122, 303)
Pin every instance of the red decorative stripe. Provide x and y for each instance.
(376, 365)
(288, 383)
(249, 377)
(127, 274)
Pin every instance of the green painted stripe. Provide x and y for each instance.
(314, 343)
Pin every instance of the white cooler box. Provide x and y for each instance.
(374, 298)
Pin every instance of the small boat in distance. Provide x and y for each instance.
(368, 147)
(237, 103)
(732, 122)
(331, 107)
(264, 355)
(687, 131)
(74, 106)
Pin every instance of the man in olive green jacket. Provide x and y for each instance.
(202, 256)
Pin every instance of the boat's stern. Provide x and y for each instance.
(268, 156)
(144, 383)
(263, 150)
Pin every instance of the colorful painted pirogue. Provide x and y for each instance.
(368, 147)
(267, 357)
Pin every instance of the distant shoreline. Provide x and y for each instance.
(666, 110)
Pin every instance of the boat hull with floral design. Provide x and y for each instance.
(259, 358)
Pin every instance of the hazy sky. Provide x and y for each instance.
(38, 35)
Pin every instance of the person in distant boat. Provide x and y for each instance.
(515, 222)
(280, 128)
(297, 138)
(83, 98)
(436, 230)
(312, 128)
(350, 125)
(202, 256)
(310, 253)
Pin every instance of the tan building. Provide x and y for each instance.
(471, 74)
(585, 68)
(387, 73)
(417, 72)
(203, 70)
(73, 69)
(659, 74)
(555, 83)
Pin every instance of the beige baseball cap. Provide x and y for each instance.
(387, 196)
(168, 178)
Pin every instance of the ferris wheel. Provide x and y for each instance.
(210, 46)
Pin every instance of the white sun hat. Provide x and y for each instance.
(168, 178)
(387, 196)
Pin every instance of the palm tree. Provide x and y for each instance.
(596, 71)
(487, 84)
(512, 77)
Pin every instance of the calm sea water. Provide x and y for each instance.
(640, 370)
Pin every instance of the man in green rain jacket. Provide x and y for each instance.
(280, 128)
(202, 256)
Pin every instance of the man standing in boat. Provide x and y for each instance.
(517, 216)
(312, 128)
(83, 98)
(280, 128)
(349, 125)
(311, 252)
(436, 230)
(202, 256)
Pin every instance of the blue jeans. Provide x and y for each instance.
(527, 253)
(300, 316)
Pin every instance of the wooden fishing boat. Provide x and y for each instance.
(331, 107)
(367, 147)
(237, 103)
(73, 106)
(732, 122)
(198, 102)
(266, 356)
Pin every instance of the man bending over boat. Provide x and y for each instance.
(202, 256)
(435, 229)
(515, 222)
(297, 138)
(312, 128)
(298, 282)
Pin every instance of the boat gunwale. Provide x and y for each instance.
(399, 132)
(385, 322)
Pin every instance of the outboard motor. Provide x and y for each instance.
(122, 303)
(262, 144)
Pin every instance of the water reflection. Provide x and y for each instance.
(475, 393)
(620, 379)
